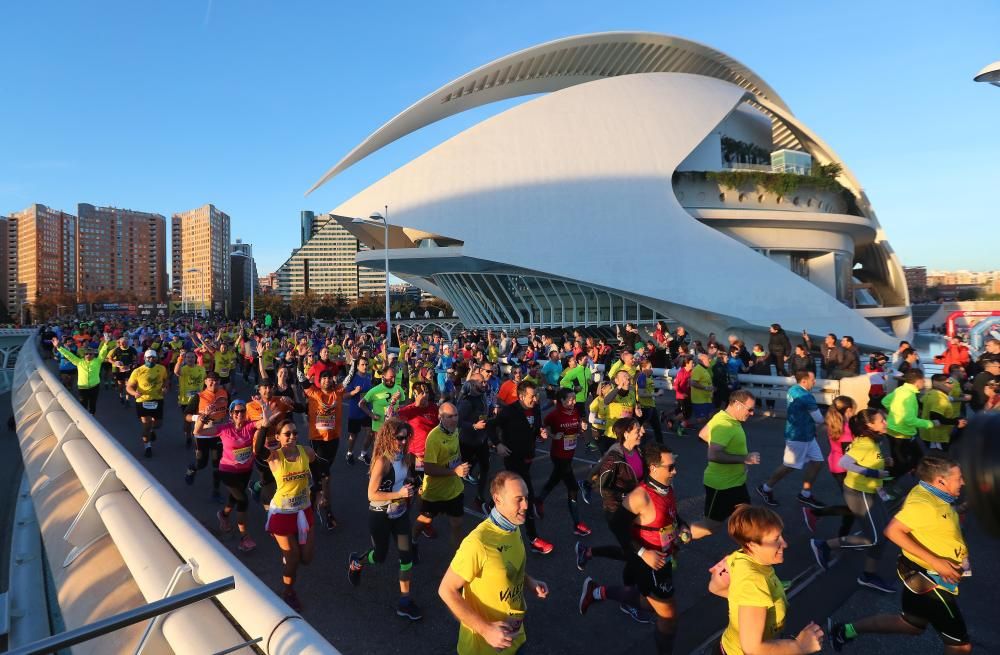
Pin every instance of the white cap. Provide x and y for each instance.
(150, 353)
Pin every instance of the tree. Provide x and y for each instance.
(304, 304)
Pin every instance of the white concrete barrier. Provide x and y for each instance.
(165, 549)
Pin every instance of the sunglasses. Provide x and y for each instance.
(290, 433)
(239, 411)
(402, 436)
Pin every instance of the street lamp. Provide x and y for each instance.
(375, 219)
(201, 284)
(253, 278)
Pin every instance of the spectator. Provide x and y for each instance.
(779, 347)
(833, 355)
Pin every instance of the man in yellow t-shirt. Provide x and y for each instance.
(148, 384)
(934, 560)
(443, 491)
(485, 584)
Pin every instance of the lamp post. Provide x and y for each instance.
(201, 283)
(375, 219)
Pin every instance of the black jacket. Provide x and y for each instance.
(513, 429)
(779, 345)
(616, 478)
(470, 408)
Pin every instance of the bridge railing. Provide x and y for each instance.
(165, 549)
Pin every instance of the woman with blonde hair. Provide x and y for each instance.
(390, 490)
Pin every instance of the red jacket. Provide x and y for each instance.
(953, 354)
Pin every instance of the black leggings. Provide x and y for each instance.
(236, 483)
(382, 528)
(203, 447)
(608, 552)
(478, 455)
(651, 416)
(562, 471)
(88, 398)
(906, 454)
(843, 511)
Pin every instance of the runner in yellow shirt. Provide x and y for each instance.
(148, 384)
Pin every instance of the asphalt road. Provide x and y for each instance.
(363, 620)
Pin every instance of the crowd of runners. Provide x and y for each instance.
(443, 426)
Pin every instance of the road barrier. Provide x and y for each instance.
(165, 549)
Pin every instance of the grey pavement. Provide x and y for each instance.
(363, 620)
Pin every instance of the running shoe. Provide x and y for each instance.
(429, 532)
(587, 490)
(581, 530)
(408, 609)
(810, 518)
(680, 433)
(189, 477)
(768, 496)
(837, 635)
(255, 491)
(540, 546)
(634, 614)
(363, 458)
(582, 556)
(587, 595)
(354, 566)
(148, 451)
(821, 552)
(873, 581)
(811, 501)
(330, 520)
(539, 509)
(292, 599)
(246, 544)
(225, 525)
(350, 458)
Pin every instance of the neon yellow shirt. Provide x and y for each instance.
(149, 381)
(492, 563)
(702, 376)
(726, 431)
(442, 449)
(190, 382)
(865, 452)
(934, 523)
(753, 585)
(225, 362)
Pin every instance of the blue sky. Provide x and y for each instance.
(167, 106)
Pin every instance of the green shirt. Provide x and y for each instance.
(903, 407)
(576, 374)
(378, 398)
(726, 431)
(88, 374)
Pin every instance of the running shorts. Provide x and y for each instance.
(454, 507)
(720, 503)
(658, 585)
(800, 453)
(940, 609)
(151, 408)
(355, 425)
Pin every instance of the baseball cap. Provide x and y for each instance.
(150, 353)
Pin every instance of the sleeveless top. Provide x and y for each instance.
(661, 534)
(293, 481)
(392, 480)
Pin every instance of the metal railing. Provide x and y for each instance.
(124, 619)
(165, 549)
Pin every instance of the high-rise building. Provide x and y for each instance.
(5, 268)
(268, 282)
(121, 252)
(44, 265)
(243, 269)
(200, 258)
(326, 264)
(310, 224)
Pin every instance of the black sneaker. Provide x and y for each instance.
(873, 581)
(354, 566)
(821, 551)
(586, 490)
(189, 477)
(330, 520)
(363, 458)
(635, 614)
(408, 609)
(582, 557)
(148, 452)
(811, 501)
(350, 458)
(768, 496)
(837, 635)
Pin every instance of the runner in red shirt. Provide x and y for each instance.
(566, 428)
(422, 416)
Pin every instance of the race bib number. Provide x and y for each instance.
(418, 463)
(569, 442)
(150, 404)
(326, 422)
(242, 455)
(296, 502)
(626, 413)
(396, 509)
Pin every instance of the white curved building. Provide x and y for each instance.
(634, 188)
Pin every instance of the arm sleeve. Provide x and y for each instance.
(848, 463)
